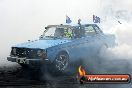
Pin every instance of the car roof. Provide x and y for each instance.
(61, 25)
(72, 25)
(86, 24)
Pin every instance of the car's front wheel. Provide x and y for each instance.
(61, 61)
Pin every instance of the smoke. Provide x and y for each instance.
(117, 21)
(123, 34)
(22, 20)
(118, 59)
(115, 60)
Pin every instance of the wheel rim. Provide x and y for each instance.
(61, 62)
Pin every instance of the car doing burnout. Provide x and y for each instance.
(62, 46)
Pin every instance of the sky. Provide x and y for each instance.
(22, 20)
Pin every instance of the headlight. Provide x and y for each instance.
(14, 51)
(42, 53)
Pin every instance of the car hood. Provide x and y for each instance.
(42, 44)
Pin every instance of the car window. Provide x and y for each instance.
(50, 31)
(97, 29)
(79, 31)
(58, 32)
(89, 30)
(67, 33)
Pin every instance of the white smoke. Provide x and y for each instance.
(118, 60)
(123, 50)
(117, 19)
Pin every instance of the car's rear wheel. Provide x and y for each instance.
(61, 62)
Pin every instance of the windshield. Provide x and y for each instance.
(58, 32)
(50, 32)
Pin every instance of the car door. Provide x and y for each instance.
(100, 37)
(90, 41)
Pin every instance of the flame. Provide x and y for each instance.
(81, 71)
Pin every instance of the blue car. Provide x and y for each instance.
(63, 47)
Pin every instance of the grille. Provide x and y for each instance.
(25, 52)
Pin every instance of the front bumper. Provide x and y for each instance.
(29, 62)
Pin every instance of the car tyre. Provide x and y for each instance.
(61, 62)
